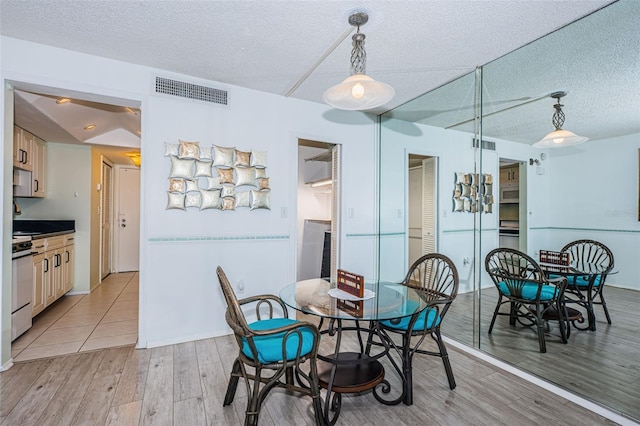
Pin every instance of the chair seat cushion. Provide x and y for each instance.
(529, 291)
(579, 281)
(427, 319)
(270, 347)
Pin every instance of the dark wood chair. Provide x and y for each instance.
(533, 298)
(274, 348)
(436, 278)
(584, 290)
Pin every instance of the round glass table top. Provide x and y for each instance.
(578, 268)
(391, 300)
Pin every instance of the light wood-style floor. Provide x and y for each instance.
(108, 317)
(184, 384)
(602, 365)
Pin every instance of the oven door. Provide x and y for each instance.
(21, 293)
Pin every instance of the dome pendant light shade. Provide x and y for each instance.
(359, 91)
(559, 138)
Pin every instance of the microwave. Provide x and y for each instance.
(510, 194)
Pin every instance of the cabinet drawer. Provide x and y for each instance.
(55, 242)
(69, 239)
(39, 246)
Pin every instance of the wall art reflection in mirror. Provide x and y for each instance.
(473, 192)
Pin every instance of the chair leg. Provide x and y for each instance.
(233, 383)
(445, 359)
(540, 327)
(604, 306)
(495, 314)
(253, 400)
(407, 369)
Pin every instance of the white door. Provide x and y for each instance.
(128, 219)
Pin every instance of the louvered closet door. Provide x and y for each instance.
(429, 218)
(335, 209)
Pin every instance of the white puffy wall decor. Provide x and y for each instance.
(216, 177)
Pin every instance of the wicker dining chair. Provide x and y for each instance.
(435, 277)
(275, 346)
(583, 290)
(533, 298)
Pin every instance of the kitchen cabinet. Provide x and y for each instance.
(29, 162)
(37, 301)
(510, 175)
(38, 173)
(68, 262)
(53, 270)
(22, 149)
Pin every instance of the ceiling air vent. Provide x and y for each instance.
(191, 91)
(491, 146)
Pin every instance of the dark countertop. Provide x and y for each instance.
(43, 228)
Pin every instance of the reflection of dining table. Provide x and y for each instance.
(590, 272)
(353, 371)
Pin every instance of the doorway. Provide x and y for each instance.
(28, 109)
(512, 209)
(422, 208)
(318, 225)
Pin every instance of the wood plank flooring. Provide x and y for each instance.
(184, 384)
(602, 365)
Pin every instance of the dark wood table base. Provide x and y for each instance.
(355, 372)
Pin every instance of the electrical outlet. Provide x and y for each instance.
(240, 286)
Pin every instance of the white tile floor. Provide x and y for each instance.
(108, 317)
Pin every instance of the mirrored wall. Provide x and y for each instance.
(441, 190)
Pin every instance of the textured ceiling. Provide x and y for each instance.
(415, 46)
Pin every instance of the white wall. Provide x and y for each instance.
(68, 194)
(595, 196)
(179, 296)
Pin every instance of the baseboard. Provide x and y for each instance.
(7, 365)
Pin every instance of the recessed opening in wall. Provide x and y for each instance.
(512, 208)
(317, 210)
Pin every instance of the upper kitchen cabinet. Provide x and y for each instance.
(509, 175)
(39, 168)
(22, 149)
(29, 161)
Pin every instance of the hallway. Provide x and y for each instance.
(106, 318)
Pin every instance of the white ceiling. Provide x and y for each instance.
(415, 46)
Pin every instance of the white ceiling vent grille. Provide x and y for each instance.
(488, 145)
(191, 91)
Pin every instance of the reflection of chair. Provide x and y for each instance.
(583, 290)
(436, 278)
(532, 297)
(279, 345)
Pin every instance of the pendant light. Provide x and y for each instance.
(359, 91)
(559, 138)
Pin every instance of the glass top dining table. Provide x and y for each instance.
(390, 300)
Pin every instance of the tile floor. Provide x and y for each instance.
(108, 317)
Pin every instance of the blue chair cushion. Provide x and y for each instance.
(583, 282)
(579, 281)
(529, 291)
(270, 347)
(427, 319)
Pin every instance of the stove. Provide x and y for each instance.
(21, 246)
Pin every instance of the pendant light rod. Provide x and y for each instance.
(320, 60)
